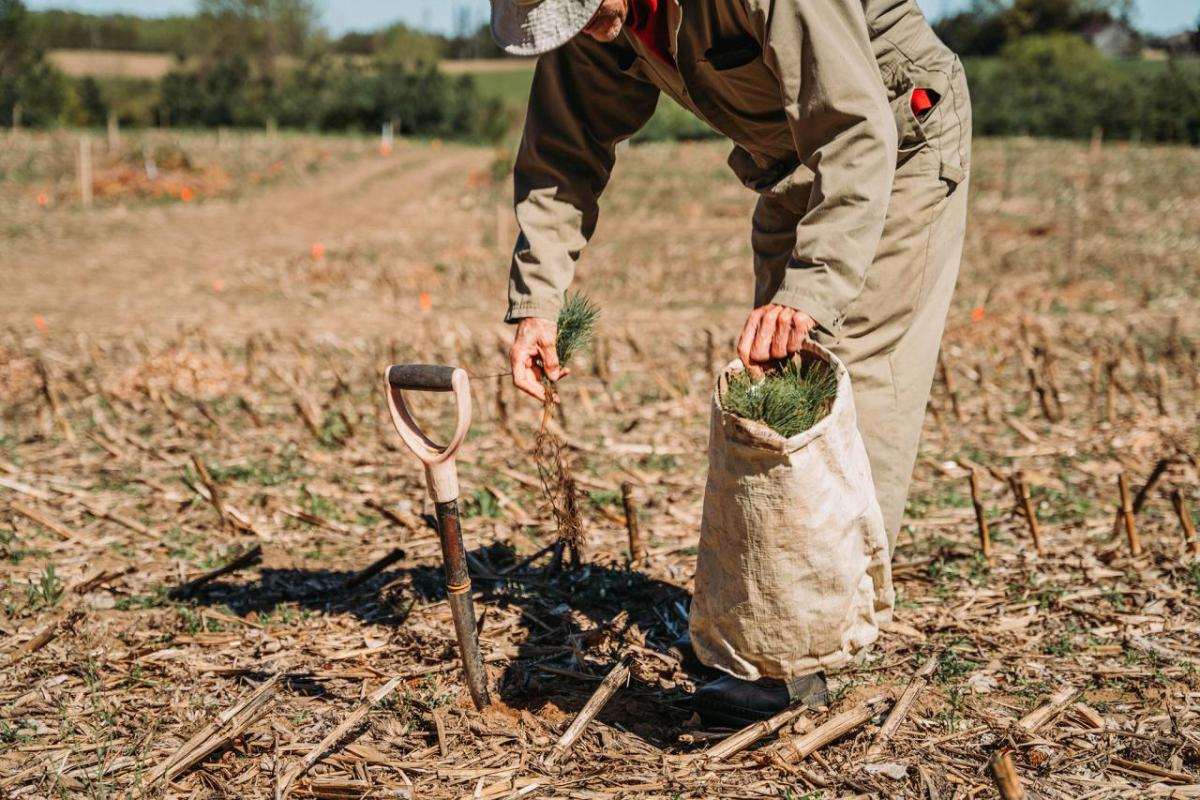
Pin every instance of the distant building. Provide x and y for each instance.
(1112, 37)
(1182, 44)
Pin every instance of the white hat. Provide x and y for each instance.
(531, 27)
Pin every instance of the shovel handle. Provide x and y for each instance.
(421, 377)
(437, 458)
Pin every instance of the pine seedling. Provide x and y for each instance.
(788, 400)
(576, 325)
(576, 328)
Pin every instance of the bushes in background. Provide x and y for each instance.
(1060, 86)
(672, 123)
(325, 94)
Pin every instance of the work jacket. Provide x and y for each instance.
(814, 94)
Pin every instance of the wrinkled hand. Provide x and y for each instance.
(533, 356)
(772, 332)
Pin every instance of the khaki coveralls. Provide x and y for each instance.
(862, 206)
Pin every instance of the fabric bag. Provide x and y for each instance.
(793, 573)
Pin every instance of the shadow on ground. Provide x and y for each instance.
(572, 624)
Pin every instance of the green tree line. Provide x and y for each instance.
(248, 63)
(193, 35)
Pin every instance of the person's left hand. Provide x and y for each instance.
(772, 332)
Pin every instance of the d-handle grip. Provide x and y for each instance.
(421, 377)
(439, 379)
(438, 459)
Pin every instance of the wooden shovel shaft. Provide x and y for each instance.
(458, 594)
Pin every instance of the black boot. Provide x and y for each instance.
(685, 654)
(730, 702)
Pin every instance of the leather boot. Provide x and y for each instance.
(685, 654)
(730, 702)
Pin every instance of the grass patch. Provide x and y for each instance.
(481, 503)
(788, 400)
(46, 591)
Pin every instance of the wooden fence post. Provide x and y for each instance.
(386, 139)
(114, 133)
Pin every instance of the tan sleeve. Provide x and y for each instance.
(581, 105)
(845, 133)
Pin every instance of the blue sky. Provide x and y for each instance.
(1158, 16)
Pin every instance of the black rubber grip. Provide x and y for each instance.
(421, 377)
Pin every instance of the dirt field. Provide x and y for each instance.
(131, 64)
(113, 63)
(241, 333)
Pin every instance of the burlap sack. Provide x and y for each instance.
(793, 574)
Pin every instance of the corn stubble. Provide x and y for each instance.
(788, 399)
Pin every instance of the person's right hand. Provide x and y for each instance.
(533, 356)
(772, 332)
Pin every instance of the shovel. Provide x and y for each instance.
(441, 478)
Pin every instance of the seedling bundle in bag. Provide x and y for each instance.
(794, 573)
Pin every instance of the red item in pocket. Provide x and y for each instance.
(922, 101)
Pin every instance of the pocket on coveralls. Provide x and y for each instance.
(939, 126)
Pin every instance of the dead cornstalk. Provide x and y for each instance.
(1135, 545)
(1143, 494)
(214, 491)
(752, 733)
(215, 735)
(608, 687)
(1047, 710)
(981, 382)
(1110, 392)
(1004, 773)
(1021, 488)
(948, 381)
(44, 636)
(801, 747)
(1185, 519)
(370, 571)
(246, 559)
(919, 681)
(1160, 390)
(710, 353)
(45, 521)
(51, 395)
(985, 539)
(637, 552)
(334, 737)
(1038, 388)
